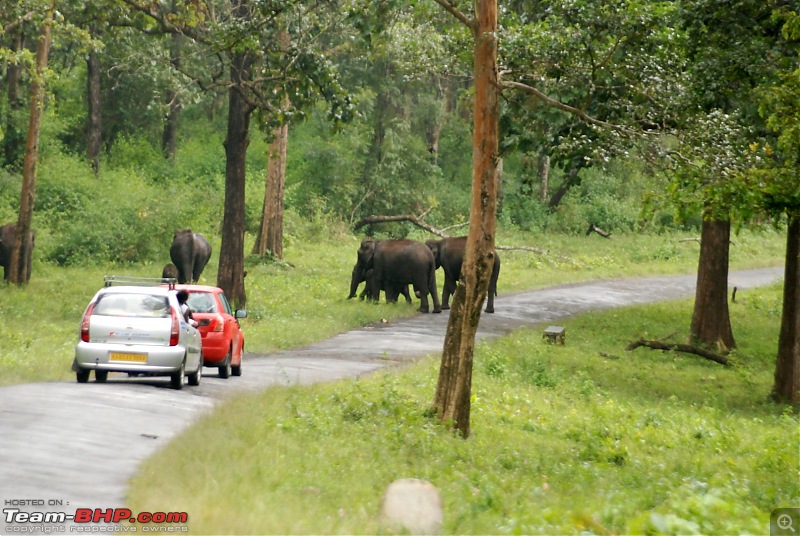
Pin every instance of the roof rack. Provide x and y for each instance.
(115, 280)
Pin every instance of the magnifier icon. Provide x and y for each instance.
(785, 522)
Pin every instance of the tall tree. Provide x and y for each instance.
(13, 141)
(230, 276)
(454, 388)
(270, 231)
(731, 52)
(95, 100)
(775, 188)
(169, 139)
(23, 243)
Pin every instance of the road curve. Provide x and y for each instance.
(65, 446)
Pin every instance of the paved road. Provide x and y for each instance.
(65, 446)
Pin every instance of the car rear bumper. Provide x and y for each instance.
(215, 348)
(135, 358)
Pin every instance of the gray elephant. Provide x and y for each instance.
(190, 253)
(449, 254)
(360, 276)
(395, 263)
(8, 234)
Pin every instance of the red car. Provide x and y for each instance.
(218, 324)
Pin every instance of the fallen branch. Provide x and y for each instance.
(658, 345)
(402, 217)
(598, 230)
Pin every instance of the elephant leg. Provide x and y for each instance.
(437, 307)
(421, 292)
(490, 304)
(391, 295)
(405, 293)
(448, 289)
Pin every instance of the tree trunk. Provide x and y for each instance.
(435, 132)
(12, 139)
(169, 138)
(571, 180)
(711, 323)
(94, 130)
(270, 233)
(230, 277)
(454, 388)
(544, 178)
(23, 243)
(787, 368)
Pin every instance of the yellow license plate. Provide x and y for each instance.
(130, 358)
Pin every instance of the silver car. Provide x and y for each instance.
(138, 330)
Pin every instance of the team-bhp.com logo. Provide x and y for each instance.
(89, 520)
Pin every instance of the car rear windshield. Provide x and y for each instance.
(202, 302)
(138, 305)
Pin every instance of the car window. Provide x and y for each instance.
(139, 305)
(225, 304)
(202, 302)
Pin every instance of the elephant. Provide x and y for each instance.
(8, 234)
(190, 253)
(449, 254)
(170, 271)
(359, 276)
(395, 263)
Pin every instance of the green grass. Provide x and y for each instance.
(565, 439)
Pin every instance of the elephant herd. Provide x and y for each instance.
(384, 265)
(394, 264)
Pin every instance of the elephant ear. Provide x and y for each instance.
(367, 252)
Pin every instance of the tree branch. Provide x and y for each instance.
(563, 107)
(658, 345)
(402, 217)
(453, 10)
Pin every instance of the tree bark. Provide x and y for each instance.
(454, 388)
(12, 139)
(270, 232)
(787, 368)
(169, 138)
(23, 243)
(570, 181)
(94, 129)
(544, 178)
(711, 324)
(230, 276)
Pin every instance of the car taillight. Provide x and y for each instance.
(85, 323)
(175, 332)
(218, 324)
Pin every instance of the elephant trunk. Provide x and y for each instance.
(355, 280)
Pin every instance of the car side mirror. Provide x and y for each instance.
(241, 313)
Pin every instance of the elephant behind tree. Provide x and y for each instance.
(449, 254)
(190, 253)
(395, 263)
(8, 234)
